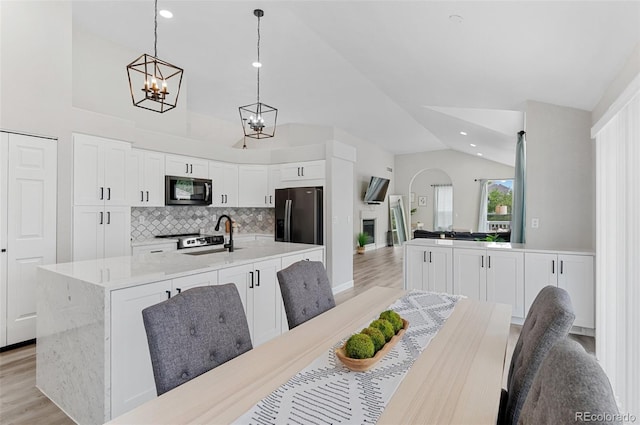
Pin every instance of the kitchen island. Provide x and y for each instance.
(92, 354)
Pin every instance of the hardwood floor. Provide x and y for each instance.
(22, 403)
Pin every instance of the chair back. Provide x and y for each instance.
(306, 291)
(570, 387)
(549, 320)
(193, 332)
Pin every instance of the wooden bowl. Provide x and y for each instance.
(361, 365)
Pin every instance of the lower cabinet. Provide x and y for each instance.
(574, 273)
(132, 381)
(307, 256)
(429, 269)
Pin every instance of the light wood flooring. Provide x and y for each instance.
(22, 403)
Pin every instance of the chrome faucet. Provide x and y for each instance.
(230, 244)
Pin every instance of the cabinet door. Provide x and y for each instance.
(576, 277)
(225, 184)
(312, 170)
(88, 170)
(265, 302)
(440, 270)
(132, 380)
(117, 231)
(201, 279)
(505, 280)
(416, 267)
(135, 178)
(253, 186)
(176, 165)
(88, 233)
(153, 179)
(540, 270)
(239, 276)
(469, 274)
(199, 168)
(275, 182)
(116, 156)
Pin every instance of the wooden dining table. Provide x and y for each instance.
(456, 379)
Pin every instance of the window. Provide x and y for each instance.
(499, 200)
(443, 207)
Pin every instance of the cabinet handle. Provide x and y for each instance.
(108, 194)
(298, 171)
(430, 257)
(147, 196)
(258, 278)
(424, 256)
(265, 199)
(226, 199)
(101, 217)
(561, 266)
(270, 199)
(251, 284)
(101, 193)
(108, 217)
(141, 196)
(157, 250)
(187, 168)
(482, 261)
(553, 266)
(168, 294)
(179, 290)
(302, 171)
(191, 167)
(488, 261)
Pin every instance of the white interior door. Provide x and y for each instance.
(4, 165)
(31, 235)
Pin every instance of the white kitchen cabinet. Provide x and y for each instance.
(132, 381)
(28, 170)
(187, 166)
(260, 293)
(469, 273)
(308, 170)
(429, 269)
(316, 255)
(490, 275)
(275, 182)
(146, 178)
(224, 178)
(574, 273)
(154, 249)
(100, 232)
(99, 171)
(253, 186)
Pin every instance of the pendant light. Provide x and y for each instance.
(258, 119)
(154, 83)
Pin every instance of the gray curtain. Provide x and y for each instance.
(518, 218)
(482, 207)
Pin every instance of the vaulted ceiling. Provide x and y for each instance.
(408, 76)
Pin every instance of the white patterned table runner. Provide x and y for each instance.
(326, 392)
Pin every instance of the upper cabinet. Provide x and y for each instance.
(99, 171)
(308, 170)
(177, 165)
(224, 178)
(146, 178)
(253, 186)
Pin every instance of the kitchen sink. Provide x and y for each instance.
(210, 251)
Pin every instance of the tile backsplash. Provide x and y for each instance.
(146, 223)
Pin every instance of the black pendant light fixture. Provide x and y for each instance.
(258, 119)
(154, 83)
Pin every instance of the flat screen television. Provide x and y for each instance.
(377, 190)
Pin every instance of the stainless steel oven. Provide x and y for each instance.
(187, 191)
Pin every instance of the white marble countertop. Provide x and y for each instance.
(121, 272)
(454, 243)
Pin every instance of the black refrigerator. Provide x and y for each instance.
(299, 215)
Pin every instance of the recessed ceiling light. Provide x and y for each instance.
(166, 13)
(256, 64)
(464, 133)
(456, 19)
(472, 145)
(479, 154)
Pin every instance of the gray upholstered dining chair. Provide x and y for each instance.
(306, 291)
(569, 385)
(194, 332)
(549, 320)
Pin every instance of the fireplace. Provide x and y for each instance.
(369, 229)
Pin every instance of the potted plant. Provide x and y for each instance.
(362, 240)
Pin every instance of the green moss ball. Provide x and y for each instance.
(376, 336)
(385, 327)
(360, 346)
(394, 318)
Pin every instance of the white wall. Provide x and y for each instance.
(462, 169)
(560, 185)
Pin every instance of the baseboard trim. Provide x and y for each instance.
(342, 287)
(17, 345)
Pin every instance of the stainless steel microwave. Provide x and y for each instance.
(187, 191)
